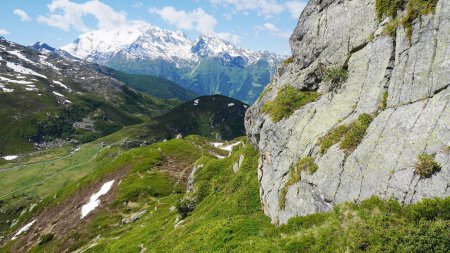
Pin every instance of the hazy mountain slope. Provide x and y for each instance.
(46, 97)
(206, 65)
(152, 85)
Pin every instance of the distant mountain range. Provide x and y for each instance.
(46, 98)
(206, 65)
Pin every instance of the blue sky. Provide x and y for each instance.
(253, 24)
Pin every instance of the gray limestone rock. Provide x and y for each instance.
(416, 75)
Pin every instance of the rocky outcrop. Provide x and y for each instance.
(414, 74)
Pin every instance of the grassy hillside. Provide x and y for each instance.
(213, 116)
(224, 214)
(44, 98)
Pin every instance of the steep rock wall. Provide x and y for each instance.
(414, 73)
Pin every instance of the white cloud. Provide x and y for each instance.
(295, 8)
(233, 38)
(197, 19)
(73, 14)
(4, 32)
(265, 8)
(22, 14)
(274, 30)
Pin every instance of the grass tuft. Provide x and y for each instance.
(266, 90)
(356, 132)
(413, 9)
(349, 136)
(288, 100)
(426, 165)
(383, 104)
(336, 75)
(332, 137)
(305, 164)
(288, 60)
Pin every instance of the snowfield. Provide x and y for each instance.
(94, 201)
(4, 89)
(5, 79)
(42, 59)
(23, 70)
(20, 56)
(62, 85)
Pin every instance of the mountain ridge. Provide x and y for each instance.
(205, 65)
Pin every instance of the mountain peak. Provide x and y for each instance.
(43, 48)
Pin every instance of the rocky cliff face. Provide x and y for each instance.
(401, 79)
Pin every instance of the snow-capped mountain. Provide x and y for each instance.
(46, 49)
(45, 96)
(206, 65)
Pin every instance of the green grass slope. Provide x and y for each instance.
(215, 116)
(227, 215)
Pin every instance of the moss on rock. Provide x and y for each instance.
(288, 100)
(305, 164)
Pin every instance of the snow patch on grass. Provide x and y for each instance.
(4, 89)
(62, 85)
(58, 94)
(23, 70)
(14, 81)
(23, 229)
(20, 56)
(43, 62)
(230, 104)
(94, 200)
(230, 147)
(10, 157)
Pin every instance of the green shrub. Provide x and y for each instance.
(336, 75)
(305, 164)
(426, 165)
(185, 207)
(46, 238)
(349, 136)
(288, 100)
(430, 209)
(356, 132)
(288, 60)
